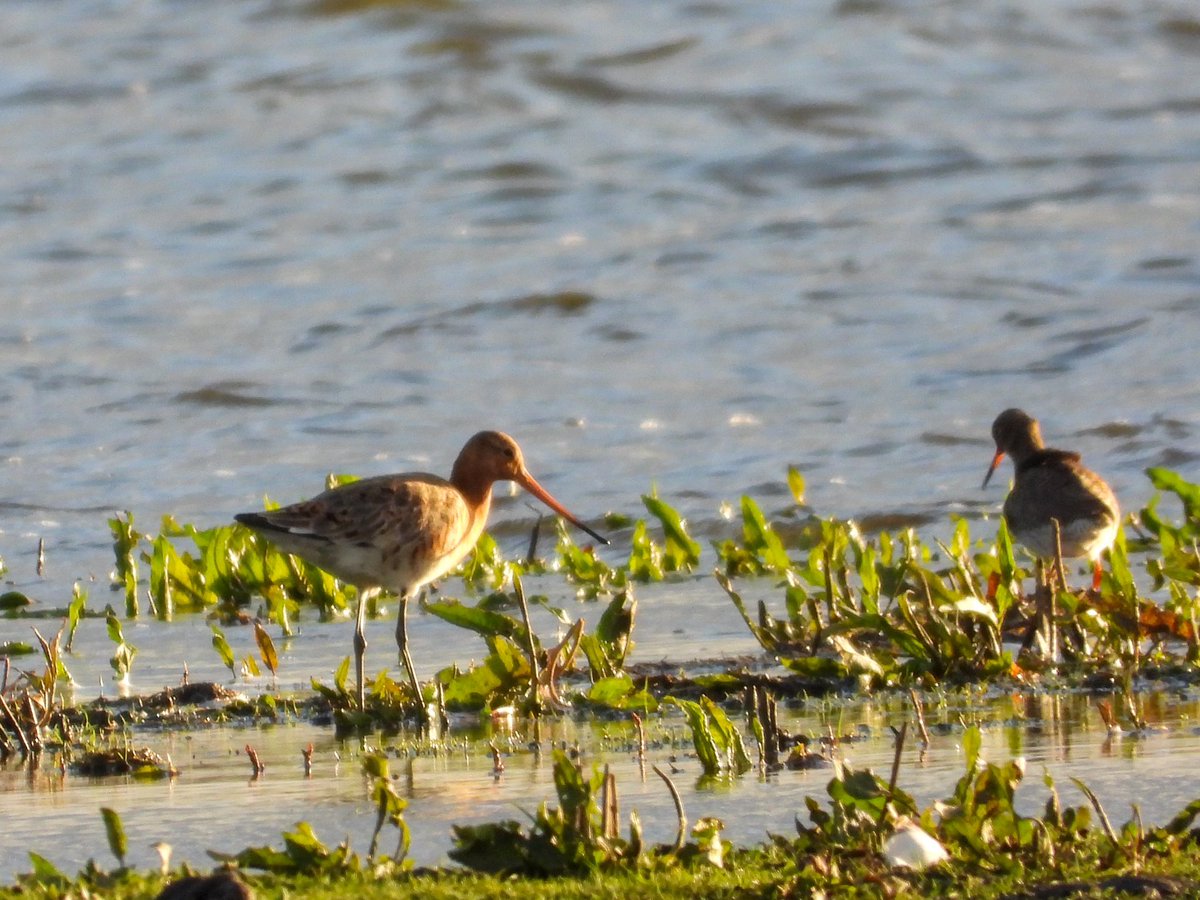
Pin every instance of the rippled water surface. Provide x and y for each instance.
(679, 244)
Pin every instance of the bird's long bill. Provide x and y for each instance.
(992, 468)
(530, 484)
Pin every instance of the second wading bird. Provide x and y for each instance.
(1053, 486)
(400, 532)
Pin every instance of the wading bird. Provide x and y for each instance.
(400, 532)
(1051, 485)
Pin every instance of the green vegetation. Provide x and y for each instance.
(842, 610)
(851, 846)
(881, 610)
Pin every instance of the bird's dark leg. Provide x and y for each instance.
(402, 643)
(360, 646)
(1034, 628)
(1052, 598)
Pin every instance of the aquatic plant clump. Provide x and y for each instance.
(884, 609)
(873, 610)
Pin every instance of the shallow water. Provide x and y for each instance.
(682, 245)
(215, 804)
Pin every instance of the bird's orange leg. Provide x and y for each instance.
(1096, 575)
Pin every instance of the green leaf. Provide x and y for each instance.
(493, 848)
(75, 612)
(796, 484)
(125, 541)
(1188, 493)
(482, 621)
(727, 734)
(266, 647)
(223, 649)
(375, 765)
(122, 658)
(682, 550)
(972, 607)
(761, 538)
(267, 859)
(46, 873)
(612, 692)
(115, 831)
(762, 635)
(115, 634)
(495, 681)
(1184, 818)
(854, 658)
(703, 740)
(342, 674)
(607, 647)
(11, 600)
(972, 742)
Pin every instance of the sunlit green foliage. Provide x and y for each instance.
(226, 567)
(115, 832)
(760, 551)
(608, 645)
(584, 568)
(621, 692)
(499, 680)
(886, 608)
(488, 569)
(577, 836)
(718, 743)
(892, 610)
(303, 853)
(223, 649)
(123, 652)
(125, 541)
(30, 705)
(12, 601)
(679, 552)
(75, 612)
(266, 648)
(575, 849)
(874, 605)
(504, 676)
(389, 809)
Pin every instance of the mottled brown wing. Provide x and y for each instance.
(391, 530)
(424, 524)
(361, 511)
(1066, 490)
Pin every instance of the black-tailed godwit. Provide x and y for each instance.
(400, 532)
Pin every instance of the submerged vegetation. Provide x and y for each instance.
(841, 610)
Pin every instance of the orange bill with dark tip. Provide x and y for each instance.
(992, 468)
(530, 484)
